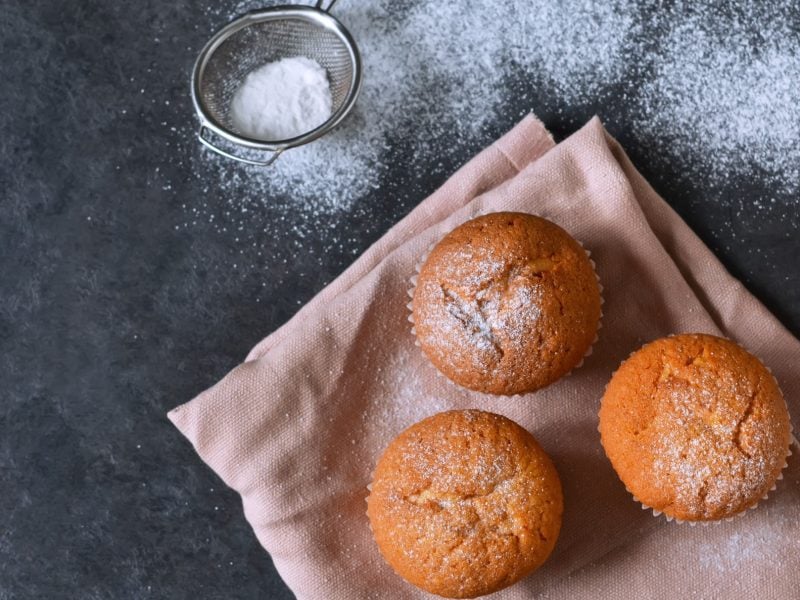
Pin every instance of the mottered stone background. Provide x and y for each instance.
(136, 269)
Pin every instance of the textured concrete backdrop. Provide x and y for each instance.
(115, 305)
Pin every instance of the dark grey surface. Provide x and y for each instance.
(112, 311)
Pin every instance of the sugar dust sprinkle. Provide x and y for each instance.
(714, 92)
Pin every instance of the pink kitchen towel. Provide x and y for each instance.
(297, 428)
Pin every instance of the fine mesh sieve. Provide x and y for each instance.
(263, 36)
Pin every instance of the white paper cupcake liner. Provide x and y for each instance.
(669, 518)
(410, 306)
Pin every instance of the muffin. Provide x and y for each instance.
(695, 427)
(506, 303)
(465, 503)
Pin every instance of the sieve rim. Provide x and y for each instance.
(311, 14)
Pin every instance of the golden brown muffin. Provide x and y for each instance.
(465, 503)
(506, 303)
(695, 426)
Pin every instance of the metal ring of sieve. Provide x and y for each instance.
(263, 36)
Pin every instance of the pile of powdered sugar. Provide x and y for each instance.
(282, 99)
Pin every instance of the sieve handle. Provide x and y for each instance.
(330, 5)
(259, 163)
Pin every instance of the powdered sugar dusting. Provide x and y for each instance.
(437, 70)
(713, 436)
(465, 488)
(704, 94)
(708, 470)
(400, 397)
(492, 309)
(748, 546)
(723, 96)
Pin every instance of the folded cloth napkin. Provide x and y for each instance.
(297, 428)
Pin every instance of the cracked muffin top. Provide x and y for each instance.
(506, 303)
(465, 503)
(695, 427)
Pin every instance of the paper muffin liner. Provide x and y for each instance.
(413, 286)
(658, 513)
(366, 510)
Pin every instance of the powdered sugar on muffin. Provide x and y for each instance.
(506, 303)
(696, 427)
(465, 503)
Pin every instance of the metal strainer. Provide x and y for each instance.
(263, 36)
